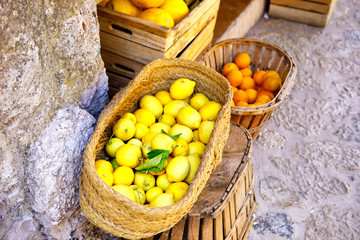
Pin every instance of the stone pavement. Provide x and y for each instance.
(307, 159)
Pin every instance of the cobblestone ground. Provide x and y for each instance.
(307, 159)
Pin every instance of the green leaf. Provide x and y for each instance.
(156, 163)
(175, 137)
(149, 164)
(156, 152)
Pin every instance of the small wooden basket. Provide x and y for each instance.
(118, 215)
(265, 57)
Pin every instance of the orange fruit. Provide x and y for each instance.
(272, 83)
(242, 104)
(232, 103)
(147, 3)
(260, 89)
(234, 89)
(240, 96)
(243, 60)
(247, 83)
(228, 67)
(267, 93)
(262, 99)
(235, 78)
(246, 72)
(252, 94)
(271, 73)
(157, 16)
(258, 77)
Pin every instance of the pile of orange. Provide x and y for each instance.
(250, 89)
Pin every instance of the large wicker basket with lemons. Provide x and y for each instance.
(112, 212)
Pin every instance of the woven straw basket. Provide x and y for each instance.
(116, 214)
(264, 56)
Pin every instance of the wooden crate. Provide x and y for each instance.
(129, 43)
(314, 12)
(226, 207)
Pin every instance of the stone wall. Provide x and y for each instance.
(53, 87)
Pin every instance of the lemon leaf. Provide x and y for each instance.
(156, 152)
(175, 137)
(157, 161)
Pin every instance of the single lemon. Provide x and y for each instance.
(145, 117)
(163, 200)
(139, 194)
(157, 16)
(177, 169)
(205, 130)
(210, 111)
(147, 3)
(135, 142)
(148, 137)
(105, 164)
(152, 104)
(178, 190)
(126, 191)
(186, 132)
(194, 161)
(196, 148)
(162, 141)
(152, 193)
(124, 129)
(112, 146)
(167, 119)
(182, 88)
(128, 155)
(141, 130)
(106, 175)
(164, 97)
(182, 148)
(146, 148)
(124, 6)
(130, 116)
(176, 8)
(163, 182)
(189, 117)
(123, 175)
(196, 135)
(174, 106)
(198, 101)
(144, 180)
(157, 127)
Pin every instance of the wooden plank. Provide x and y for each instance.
(233, 214)
(304, 5)
(165, 235)
(218, 228)
(226, 220)
(207, 228)
(194, 228)
(177, 231)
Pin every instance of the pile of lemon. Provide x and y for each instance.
(167, 13)
(157, 149)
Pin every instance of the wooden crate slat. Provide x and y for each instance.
(177, 231)
(194, 228)
(207, 228)
(304, 5)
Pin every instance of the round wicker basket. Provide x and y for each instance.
(112, 212)
(264, 56)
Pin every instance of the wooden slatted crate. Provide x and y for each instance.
(226, 207)
(129, 43)
(312, 12)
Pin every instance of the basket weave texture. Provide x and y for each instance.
(264, 56)
(112, 212)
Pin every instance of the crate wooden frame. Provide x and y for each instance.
(118, 215)
(264, 56)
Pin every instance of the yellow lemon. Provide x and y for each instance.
(177, 169)
(126, 191)
(186, 133)
(106, 175)
(124, 129)
(163, 182)
(128, 155)
(196, 135)
(112, 146)
(124, 6)
(157, 127)
(105, 164)
(123, 175)
(182, 88)
(198, 101)
(130, 116)
(163, 200)
(210, 111)
(157, 173)
(157, 16)
(194, 161)
(152, 104)
(205, 130)
(141, 130)
(147, 3)
(196, 148)
(178, 190)
(182, 148)
(164, 97)
(146, 148)
(162, 141)
(167, 119)
(144, 180)
(174, 106)
(148, 137)
(139, 194)
(189, 117)
(152, 193)
(135, 142)
(145, 117)
(176, 8)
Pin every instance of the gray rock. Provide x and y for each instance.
(274, 223)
